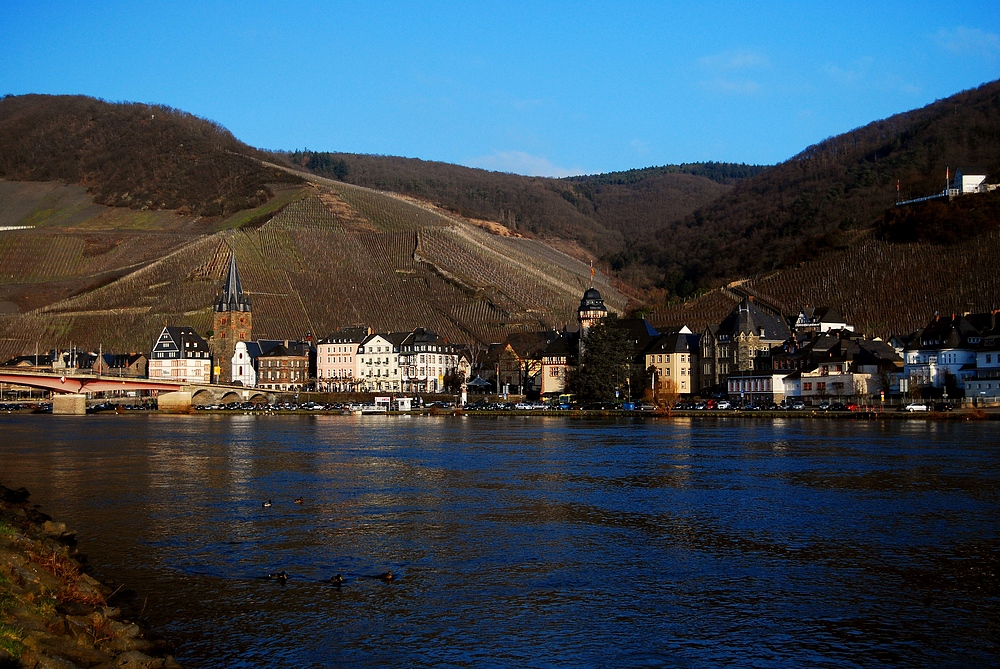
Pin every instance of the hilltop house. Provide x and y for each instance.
(970, 180)
(180, 354)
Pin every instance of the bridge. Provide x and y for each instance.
(69, 391)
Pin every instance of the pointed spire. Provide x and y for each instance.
(232, 297)
(233, 290)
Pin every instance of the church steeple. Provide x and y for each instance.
(232, 322)
(232, 297)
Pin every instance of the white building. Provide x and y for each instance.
(244, 363)
(969, 180)
(985, 381)
(942, 354)
(378, 364)
(821, 319)
(181, 354)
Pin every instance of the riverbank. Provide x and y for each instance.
(53, 614)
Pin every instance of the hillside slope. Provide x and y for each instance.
(828, 195)
(133, 155)
(606, 214)
(333, 255)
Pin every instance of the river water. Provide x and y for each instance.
(535, 542)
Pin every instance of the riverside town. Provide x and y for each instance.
(755, 359)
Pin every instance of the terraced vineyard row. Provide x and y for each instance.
(37, 257)
(563, 273)
(888, 289)
(881, 288)
(572, 271)
(697, 314)
(306, 214)
(454, 255)
(394, 248)
(159, 280)
(387, 212)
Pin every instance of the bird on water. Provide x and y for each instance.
(266, 504)
(280, 577)
(387, 576)
(337, 580)
(298, 500)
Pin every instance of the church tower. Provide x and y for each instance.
(232, 322)
(591, 310)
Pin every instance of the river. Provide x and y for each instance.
(535, 542)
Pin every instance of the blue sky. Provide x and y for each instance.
(547, 88)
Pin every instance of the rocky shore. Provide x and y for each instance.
(53, 614)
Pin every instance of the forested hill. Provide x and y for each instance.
(829, 196)
(133, 155)
(605, 213)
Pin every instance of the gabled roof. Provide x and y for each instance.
(672, 342)
(116, 360)
(42, 359)
(179, 341)
(284, 348)
(946, 332)
(816, 315)
(748, 318)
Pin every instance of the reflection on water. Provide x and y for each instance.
(536, 541)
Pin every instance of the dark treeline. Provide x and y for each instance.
(828, 195)
(132, 155)
(723, 173)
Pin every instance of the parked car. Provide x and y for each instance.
(798, 406)
(724, 404)
(915, 407)
(944, 406)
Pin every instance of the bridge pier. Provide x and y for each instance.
(69, 405)
(175, 402)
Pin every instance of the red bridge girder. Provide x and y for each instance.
(84, 384)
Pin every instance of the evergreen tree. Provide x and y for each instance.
(607, 355)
